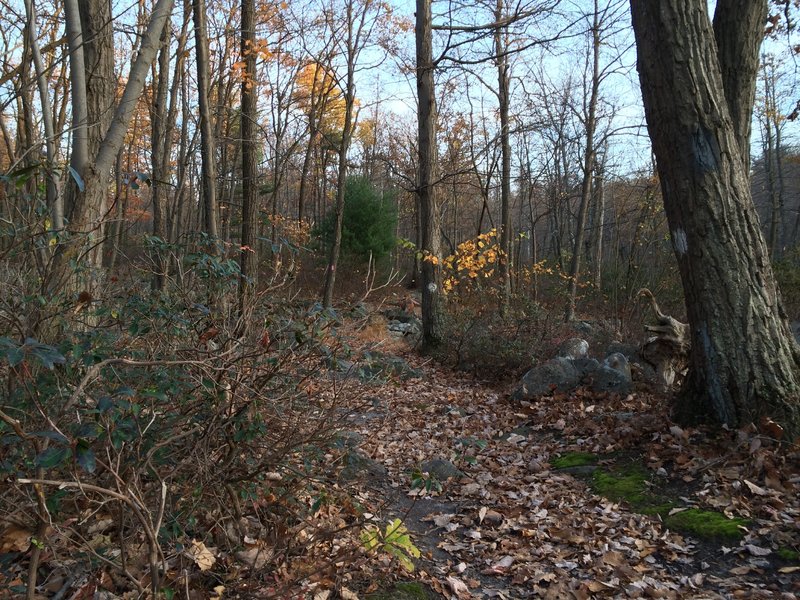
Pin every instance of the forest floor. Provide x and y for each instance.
(570, 496)
(566, 496)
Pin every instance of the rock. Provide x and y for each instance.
(377, 365)
(585, 366)
(412, 327)
(796, 330)
(574, 348)
(630, 351)
(614, 375)
(539, 381)
(492, 518)
(347, 439)
(398, 314)
(404, 590)
(358, 466)
(441, 469)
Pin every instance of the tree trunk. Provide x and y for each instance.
(347, 133)
(160, 169)
(743, 364)
(209, 174)
(55, 201)
(86, 213)
(429, 212)
(588, 168)
(503, 91)
(248, 258)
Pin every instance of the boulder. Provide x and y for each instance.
(574, 348)
(559, 373)
(441, 469)
(614, 375)
(359, 466)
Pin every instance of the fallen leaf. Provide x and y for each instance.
(458, 587)
(201, 555)
(759, 491)
(14, 539)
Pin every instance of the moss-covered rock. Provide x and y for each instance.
(629, 485)
(573, 459)
(404, 590)
(789, 554)
(707, 524)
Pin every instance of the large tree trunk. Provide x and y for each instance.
(429, 213)
(697, 91)
(87, 212)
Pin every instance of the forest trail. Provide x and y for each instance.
(512, 525)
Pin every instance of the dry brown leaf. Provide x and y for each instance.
(758, 490)
(202, 556)
(458, 587)
(14, 539)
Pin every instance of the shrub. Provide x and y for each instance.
(369, 221)
(160, 438)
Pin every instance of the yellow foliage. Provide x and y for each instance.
(319, 96)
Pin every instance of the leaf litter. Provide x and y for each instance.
(549, 534)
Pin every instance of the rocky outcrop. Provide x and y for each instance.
(572, 368)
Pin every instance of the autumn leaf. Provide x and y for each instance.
(202, 556)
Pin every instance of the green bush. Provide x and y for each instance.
(369, 221)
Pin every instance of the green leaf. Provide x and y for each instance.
(15, 356)
(52, 457)
(51, 435)
(85, 457)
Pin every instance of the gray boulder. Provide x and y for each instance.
(614, 375)
(559, 373)
(441, 469)
(574, 348)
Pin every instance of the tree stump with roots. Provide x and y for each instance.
(668, 349)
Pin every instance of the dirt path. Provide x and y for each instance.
(512, 526)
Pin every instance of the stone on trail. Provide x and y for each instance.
(441, 469)
(539, 381)
(614, 375)
(574, 348)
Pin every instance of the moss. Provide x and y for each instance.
(707, 524)
(629, 485)
(404, 590)
(789, 554)
(573, 459)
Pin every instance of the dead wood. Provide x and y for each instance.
(668, 350)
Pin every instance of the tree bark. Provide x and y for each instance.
(86, 213)
(503, 92)
(159, 145)
(429, 213)
(744, 363)
(248, 262)
(207, 145)
(588, 168)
